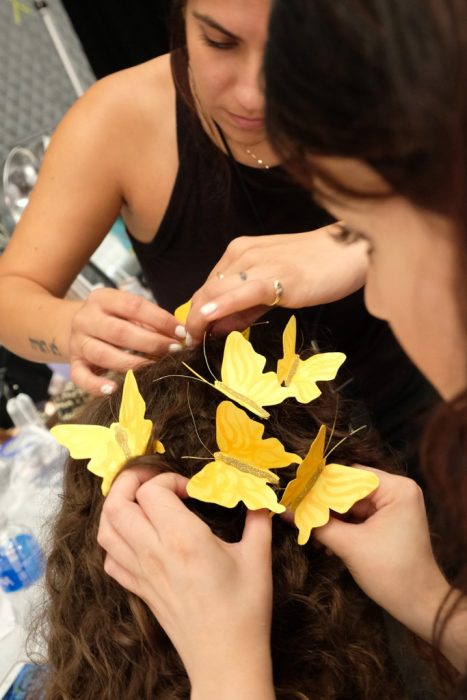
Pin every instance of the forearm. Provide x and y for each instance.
(35, 324)
(420, 612)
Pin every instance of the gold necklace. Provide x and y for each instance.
(260, 161)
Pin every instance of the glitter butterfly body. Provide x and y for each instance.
(319, 488)
(242, 377)
(241, 469)
(300, 376)
(108, 448)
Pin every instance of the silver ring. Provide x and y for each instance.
(279, 291)
(220, 275)
(243, 276)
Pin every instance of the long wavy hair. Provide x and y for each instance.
(385, 82)
(328, 639)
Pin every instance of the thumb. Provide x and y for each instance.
(257, 533)
(335, 536)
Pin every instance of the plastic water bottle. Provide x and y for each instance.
(21, 558)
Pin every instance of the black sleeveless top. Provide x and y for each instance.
(216, 199)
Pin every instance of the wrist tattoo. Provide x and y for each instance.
(45, 347)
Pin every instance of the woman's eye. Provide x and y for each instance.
(223, 45)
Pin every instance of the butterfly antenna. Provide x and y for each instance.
(185, 376)
(206, 357)
(194, 422)
(352, 432)
(333, 424)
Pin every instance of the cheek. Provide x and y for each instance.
(210, 76)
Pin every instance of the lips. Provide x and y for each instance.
(246, 123)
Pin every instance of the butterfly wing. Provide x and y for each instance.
(131, 416)
(83, 441)
(219, 482)
(182, 311)
(306, 472)
(340, 487)
(242, 376)
(289, 339)
(318, 368)
(96, 443)
(241, 437)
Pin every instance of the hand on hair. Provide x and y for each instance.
(212, 598)
(313, 268)
(108, 328)
(389, 554)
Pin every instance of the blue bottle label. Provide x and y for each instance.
(21, 562)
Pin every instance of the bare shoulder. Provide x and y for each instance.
(135, 101)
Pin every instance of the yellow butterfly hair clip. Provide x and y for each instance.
(319, 488)
(109, 448)
(242, 377)
(241, 469)
(300, 376)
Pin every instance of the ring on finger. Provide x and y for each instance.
(279, 291)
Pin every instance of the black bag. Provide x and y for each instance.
(21, 376)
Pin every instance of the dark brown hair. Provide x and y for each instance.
(385, 82)
(328, 639)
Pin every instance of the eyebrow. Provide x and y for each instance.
(214, 25)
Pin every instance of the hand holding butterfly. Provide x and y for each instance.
(111, 330)
(389, 554)
(313, 268)
(213, 599)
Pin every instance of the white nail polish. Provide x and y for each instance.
(107, 389)
(209, 308)
(188, 340)
(180, 332)
(175, 347)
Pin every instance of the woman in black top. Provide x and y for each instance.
(181, 152)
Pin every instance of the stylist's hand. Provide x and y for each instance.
(389, 553)
(109, 328)
(313, 268)
(212, 598)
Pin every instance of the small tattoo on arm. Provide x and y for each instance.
(43, 347)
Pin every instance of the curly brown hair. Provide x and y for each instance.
(328, 639)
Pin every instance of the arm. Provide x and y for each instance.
(212, 598)
(390, 556)
(313, 268)
(79, 194)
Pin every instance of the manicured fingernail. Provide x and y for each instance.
(180, 332)
(107, 389)
(188, 340)
(175, 347)
(209, 308)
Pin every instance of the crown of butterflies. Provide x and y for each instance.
(245, 463)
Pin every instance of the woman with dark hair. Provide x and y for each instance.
(178, 146)
(329, 641)
(367, 100)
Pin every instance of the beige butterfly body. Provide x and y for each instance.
(319, 488)
(243, 380)
(300, 376)
(241, 470)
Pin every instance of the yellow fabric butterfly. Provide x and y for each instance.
(182, 311)
(109, 448)
(300, 376)
(320, 487)
(240, 471)
(242, 377)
